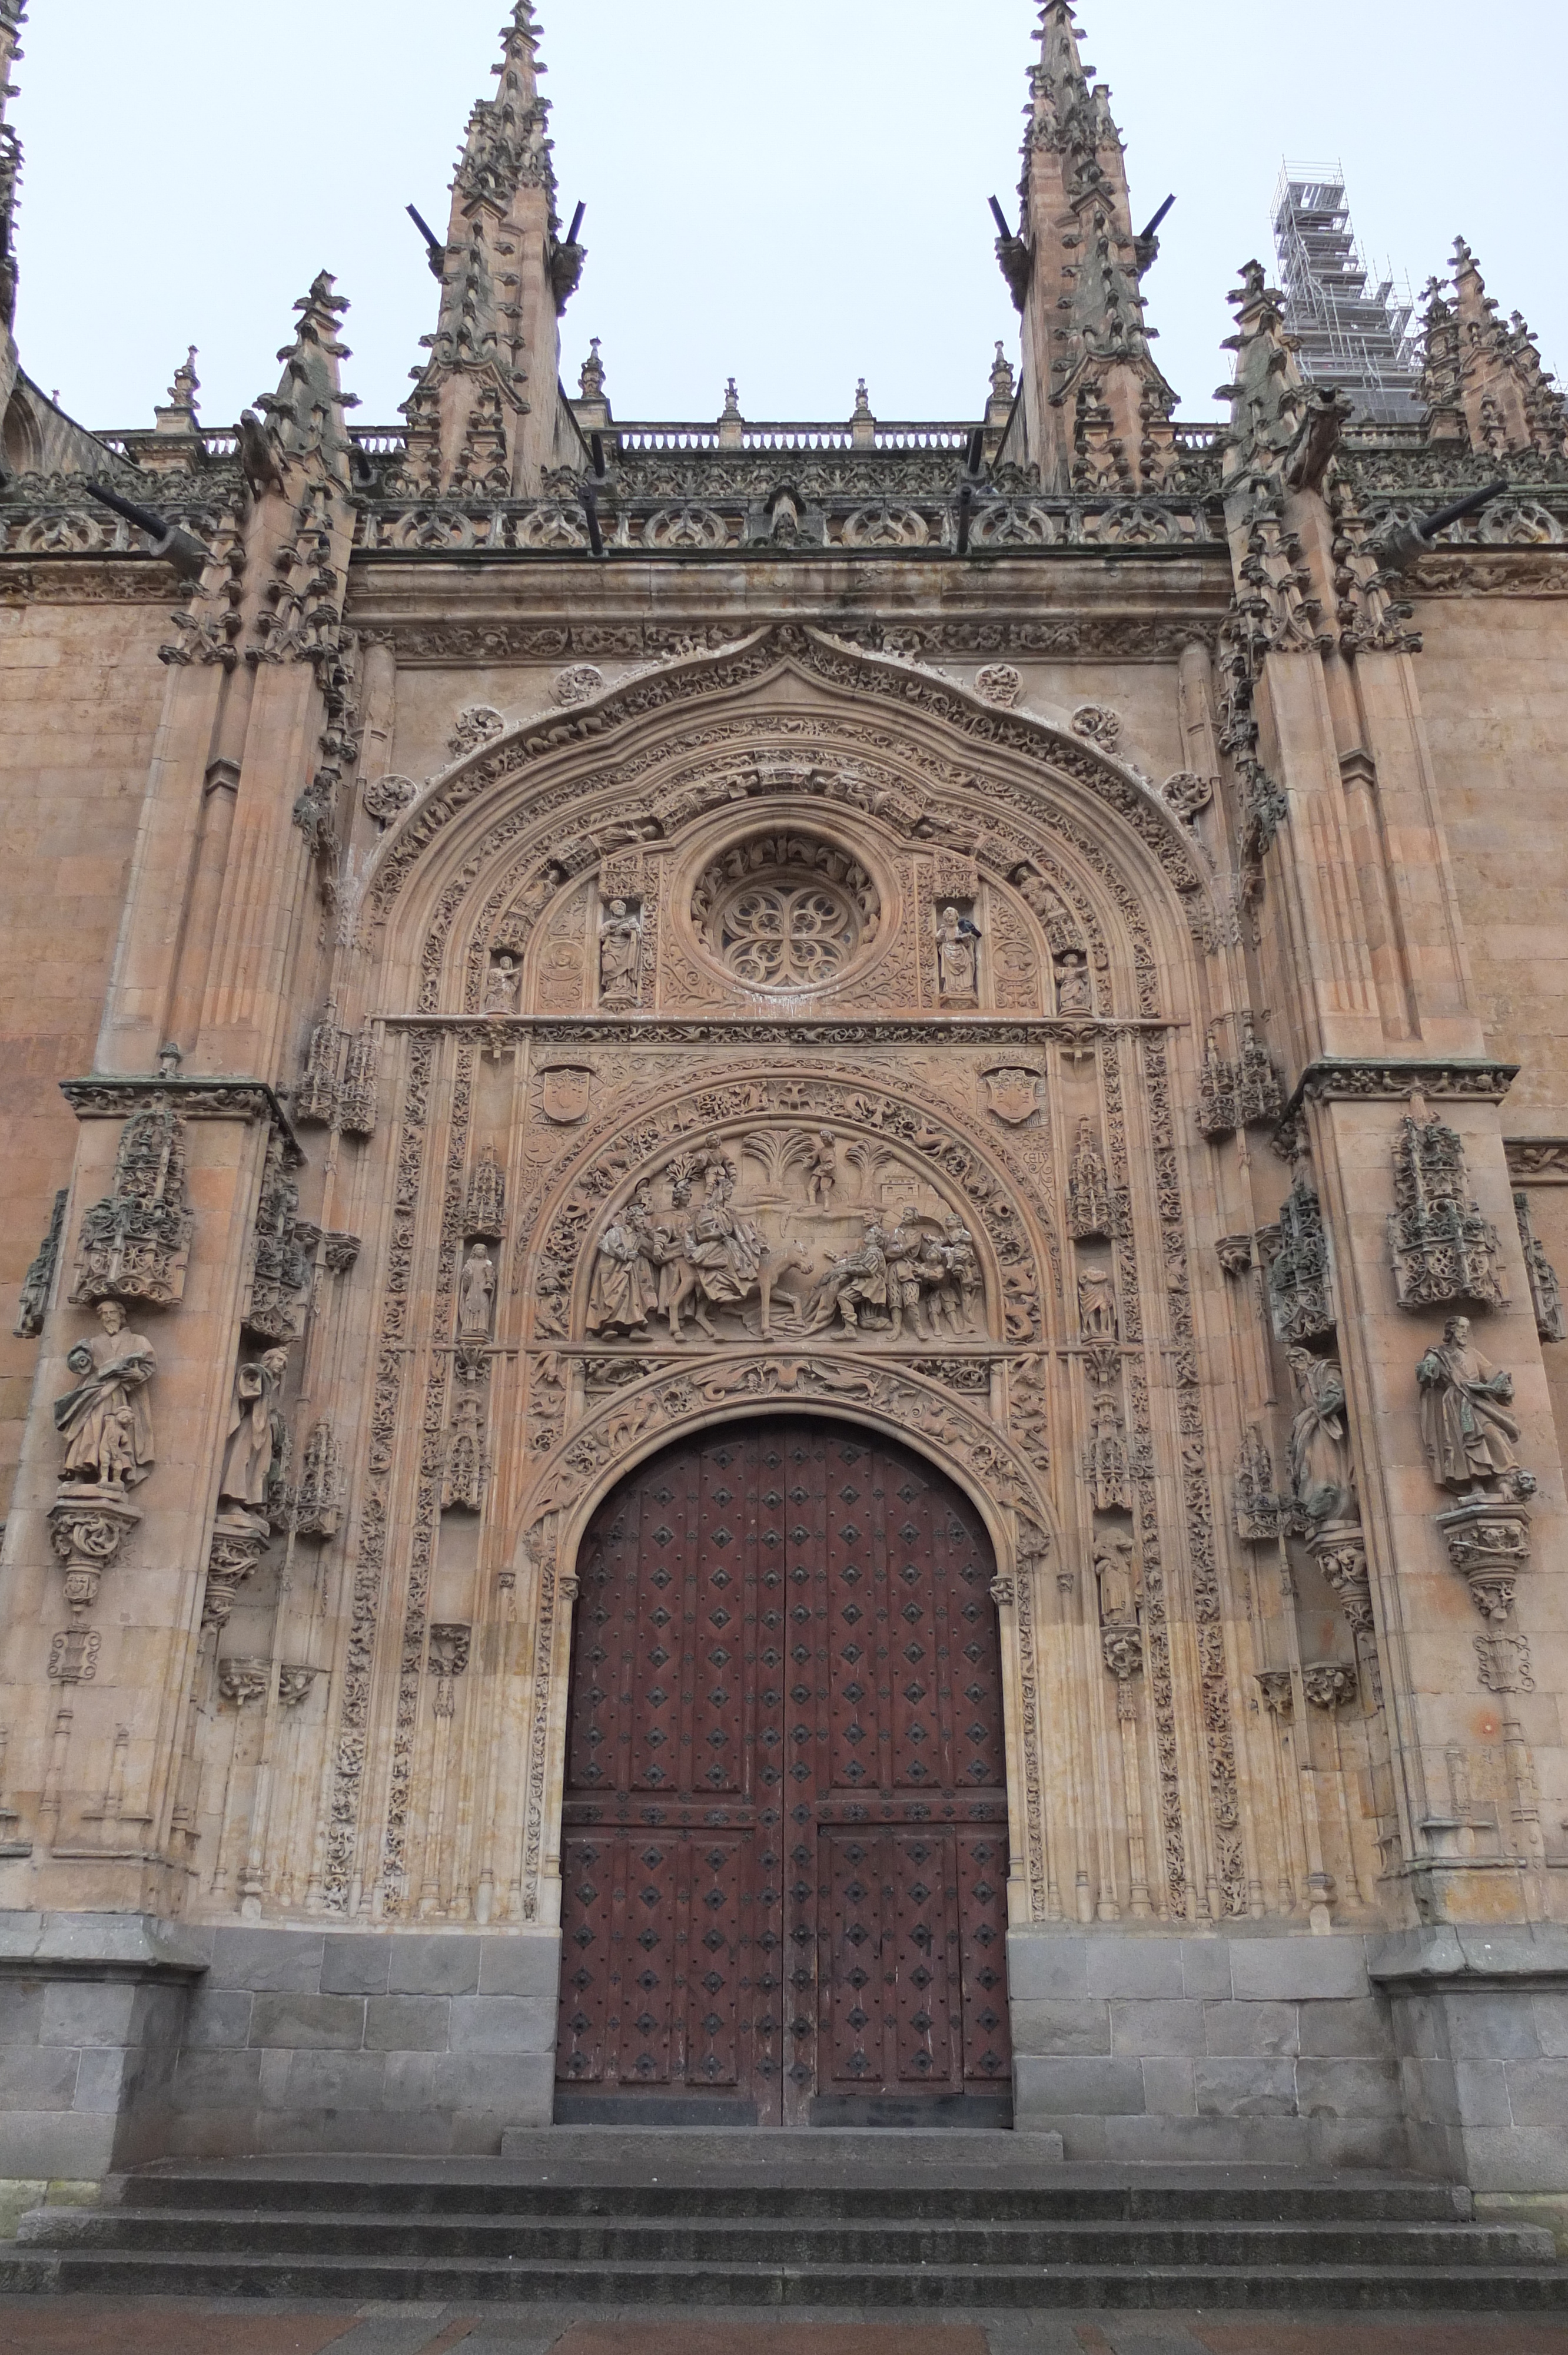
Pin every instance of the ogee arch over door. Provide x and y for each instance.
(784, 1846)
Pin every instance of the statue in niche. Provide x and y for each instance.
(1467, 1433)
(502, 985)
(823, 1170)
(1322, 1476)
(624, 1290)
(106, 1421)
(1121, 1578)
(476, 1294)
(1074, 987)
(619, 953)
(958, 956)
(1098, 1316)
(254, 1439)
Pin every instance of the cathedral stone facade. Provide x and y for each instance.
(782, 1211)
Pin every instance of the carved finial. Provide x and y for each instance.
(591, 380)
(731, 399)
(186, 384)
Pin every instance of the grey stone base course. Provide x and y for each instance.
(1442, 2049)
(122, 2039)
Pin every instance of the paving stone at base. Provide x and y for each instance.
(642, 2337)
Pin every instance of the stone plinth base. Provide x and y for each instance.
(1480, 2027)
(122, 2039)
(1245, 2050)
(93, 2008)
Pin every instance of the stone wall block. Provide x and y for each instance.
(1233, 2030)
(1351, 2028)
(1298, 1970)
(434, 1966)
(1347, 2089)
(217, 2081)
(1246, 2088)
(218, 2018)
(335, 2081)
(1537, 2096)
(1492, 2026)
(1168, 2088)
(106, 2076)
(1134, 1966)
(37, 2076)
(1481, 2095)
(302, 2022)
(1075, 2087)
(89, 2011)
(1551, 2025)
(1040, 1965)
(1206, 1968)
(1142, 2028)
(356, 1965)
(269, 1962)
(1060, 2026)
(504, 2024)
(407, 2023)
(521, 1965)
(21, 2010)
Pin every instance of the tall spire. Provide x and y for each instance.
(483, 415)
(1483, 381)
(12, 13)
(1097, 408)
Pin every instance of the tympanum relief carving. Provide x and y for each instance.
(780, 1234)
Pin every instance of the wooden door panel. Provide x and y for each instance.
(785, 1845)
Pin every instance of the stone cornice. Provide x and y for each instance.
(1028, 1032)
(1346, 1079)
(1537, 1160)
(105, 1096)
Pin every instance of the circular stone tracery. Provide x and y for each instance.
(785, 911)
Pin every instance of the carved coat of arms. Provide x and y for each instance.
(1014, 1093)
(564, 1092)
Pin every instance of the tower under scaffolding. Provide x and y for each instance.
(1353, 332)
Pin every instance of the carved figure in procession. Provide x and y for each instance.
(958, 956)
(857, 1280)
(1322, 1475)
(624, 1290)
(106, 1421)
(254, 1439)
(823, 1170)
(619, 953)
(1467, 1432)
(476, 1294)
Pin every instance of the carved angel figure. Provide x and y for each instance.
(255, 1433)
(619, 952)
(1322, 1476)
(476, 1291)
(1469, 1436)
(958, 954)
(105, 1420)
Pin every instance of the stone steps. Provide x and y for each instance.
(483, 2231)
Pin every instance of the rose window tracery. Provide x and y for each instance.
(786, 912)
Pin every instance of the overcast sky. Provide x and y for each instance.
(795, 195)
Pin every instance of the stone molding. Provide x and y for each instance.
(112, 1097)
(1345, 1080)
(1478, 1956)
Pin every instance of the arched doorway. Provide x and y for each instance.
(784, 1844)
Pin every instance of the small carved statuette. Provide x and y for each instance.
(254, 1443)
(484, 1213)
(1298, 1292)
(958, 958)
(1257, 1508)
(1106, 1458)
(105, 1420)
(448, 1655)
(823, 1170)
(476, 1294)
(1099, 1319)
(38, 1281)
(1074, 987)
(619, 954)
(1088, 1191)
(1443, 1249)
(134, 1243)
(501, 984)
(1119, 1576)
(1322, 1475)
(1545, 1290)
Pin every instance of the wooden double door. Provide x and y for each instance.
(784, 1853)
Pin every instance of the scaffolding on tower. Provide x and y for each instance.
(1353, 331)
